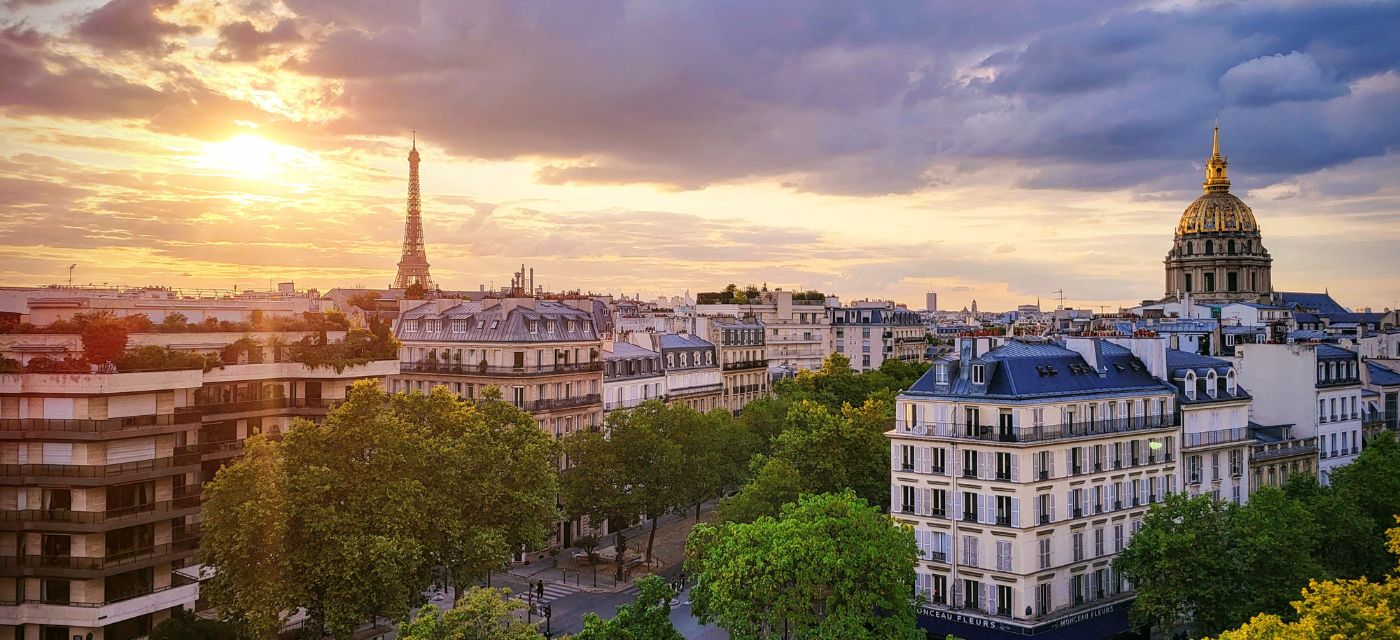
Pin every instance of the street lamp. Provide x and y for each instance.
(548, 618)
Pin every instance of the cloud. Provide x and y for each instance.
(130, 25)
(242, 41)
(1269, 79)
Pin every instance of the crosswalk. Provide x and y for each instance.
(554, 591)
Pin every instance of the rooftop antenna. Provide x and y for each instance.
(71, 267)
(1061, 293)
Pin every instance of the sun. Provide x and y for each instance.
(255, 157)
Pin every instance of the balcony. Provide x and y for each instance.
(98, 471)
(267, 404)
(1046, 433)
(160, 509)
(1219, 436)
(25, 565)
(556, 404)
(22, 427)
(969, 517)
(747, 364)
(500, 371)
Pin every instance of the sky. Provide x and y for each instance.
(997, 151)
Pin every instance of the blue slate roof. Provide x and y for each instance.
(1382, 376)
(1179, 362)
(1334, 351)
(1037, 370)
(624, 350)
(687, 341)
(1317, 302)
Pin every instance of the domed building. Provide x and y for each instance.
(1218, 254)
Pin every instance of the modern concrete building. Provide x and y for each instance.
(1316, 388)
(743, 358)
(1024, 468)
(100, 473)
(871, 332)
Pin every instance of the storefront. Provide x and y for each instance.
(1109, 621)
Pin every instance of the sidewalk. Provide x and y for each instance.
(668, 552)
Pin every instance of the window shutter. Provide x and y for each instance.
(1052, 463)
(1114, 491)
(894, 456)
(957, 593)
(1035, 466)
(1015, 512)
(992, 599)
(1015, 473)
(957, 505)
(895, 495)
(1037, 511)
(1069, 504)
(984, 465)
(1052, 506)
(1143, 492)
(982, 595)
(1108, 457)
(957, 464)
(1084, 502)
(918, 501)
(984, 504)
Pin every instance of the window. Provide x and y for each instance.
(970, 594)
(906, 457)
(1004, 598)
(1003, 466)
(1098, 542)
(1003, 555)
(979, 375)
(907, 504)
(1004, 511)
(939, 589)
(940, 459)
(1078, 544)
(1215, 466)
(970, 463)
(1045, 553)
(940, 503)
(969, 551)
(970, 506)
(1117, 538)
(941, 374)
(1042, 598)
(1208, 280)
(53, 591)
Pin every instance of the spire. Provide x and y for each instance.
(413, 266)
(1217, 179)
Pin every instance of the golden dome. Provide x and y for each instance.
(1215, 212)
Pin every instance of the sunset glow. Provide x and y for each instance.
(255, 157)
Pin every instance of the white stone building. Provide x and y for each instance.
(1314, 387)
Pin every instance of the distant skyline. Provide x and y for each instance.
(994, 151)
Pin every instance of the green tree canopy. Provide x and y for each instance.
(646, 618)
(480, 614)
(830, 566)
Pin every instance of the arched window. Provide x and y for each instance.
(1230, 382)
(1210, 247)
(1232, 247)
(1190, 385)
(1211, 383)
(1188, 249)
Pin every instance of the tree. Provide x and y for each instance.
(831, 566)
(1347, 546)
(480, 614)
(104, 338)
(1372, 483)
(1336, 609)
(415, 291)
(596, 487)
(776, 483)
(646, 618)
(183, 625)
(245, 540)
(833, 452)
(1177, 562)
(174, 322)
(1273, 538)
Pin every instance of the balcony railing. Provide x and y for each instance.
(97, 470)
(747, 364)
(552, 404)
(183, 415)
(464, 369)
(100, 517)
(1219, 436)
(85, 563)
(262, 404)
(989, 433)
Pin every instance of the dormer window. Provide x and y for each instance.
(979, 374)
(410, 325)
(1212, 383)
(459, 326)
(1230, 382)
(670, 361)
(1351, 369)
(1321, 372)
(941, 373)
(495, 324)
(431, 326)
(685, 359)
(709, 357)
(1190, 385)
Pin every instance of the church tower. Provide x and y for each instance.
(1218, 254)
(413, 266)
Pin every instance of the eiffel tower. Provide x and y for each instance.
(413, 266)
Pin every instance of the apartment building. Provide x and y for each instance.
(1277, 452)
(545, 356)
(631, 375)
(871, 332)
(1383, 383)
(100, 473)
(743, 358)
(1316, 388)
(1024, 468)
(797, 331)
(1216, 438)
